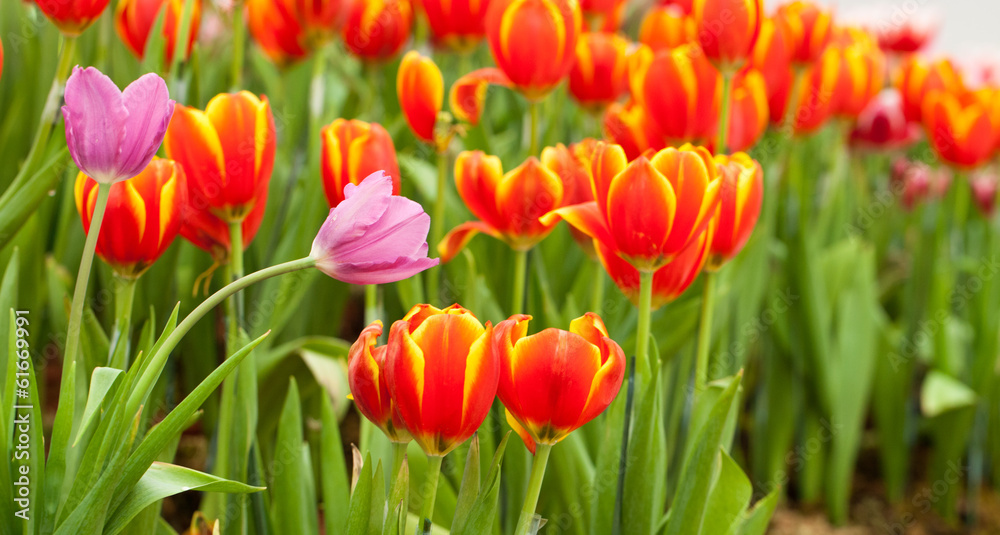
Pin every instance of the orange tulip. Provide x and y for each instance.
(772, 57)
(681, 91)
(443, 373)
(289, 30)
(72, 17)
(669, 281)
(666, 27)
(508, 206)
(727, 30)
(739, 206)
(599, 75)
(142, 218)
(650, 210)
(457, 24)
(553, 382)
(631, 127)
(369, 381)
(134, 19)
(748, 114)
(536, 62)
(960, 127)
(352, 150)
(572, 165)
(808, 28)
(420, 88)
(915, 78)
(377, 29)
(818, 93)
(861, 72)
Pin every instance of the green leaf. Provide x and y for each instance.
(291, 508)
(398, 502)
(8, 300)
(469, 489)
(376, 515)
(941, 393)
(333, 475)
(756, 520)
(729, 498)
(646, 464)
(359, 512)
(484, 510)
(163, 480)
(101, 382)
(688, 510)
(28, 408)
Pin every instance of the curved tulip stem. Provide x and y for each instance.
(239, 37)
(520, 280)
(533, 112)
(534, 488)
(437, 228)
(704, 333)
(430, 486)
(158, 359)
(642, 330)
(124, 297)
(48, 118)
(83, 276)
(727, 88)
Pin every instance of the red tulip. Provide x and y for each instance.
(134, 19)
(352, 150)
(599, 75)
(457, 24)
(377, 29)
(739, 206)
(727, 30)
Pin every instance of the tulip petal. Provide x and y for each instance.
(641, 207)
(482, 374)
(400, 232)
(95, 118)
(459, 237)
(405, 367)
(380, 272)
(586, 217)
(349, 221)
(606, 382)
(521, 432)
(468, 93)
(477, 177)
(149, 111)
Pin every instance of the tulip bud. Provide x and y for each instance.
(740, 200)
(681, 91)
(134, 19)
(289, 30)
(727, 30)
(443, 374)
(72, 17)
(377, 29)
(555, 381)
(352, 150)
(420, 89)
(142, 218)
(534, 63)
(599, 74)
(369, 383)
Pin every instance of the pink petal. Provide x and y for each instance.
(379, 272)
(362, 207)
(95, 118)
(149, 110)
(401, 231)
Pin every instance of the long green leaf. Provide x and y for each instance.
(359, 512)
(290, 505)
(101, 382)
(333, 475)
(729, 498)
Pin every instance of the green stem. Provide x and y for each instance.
(722, 135)
(236, 269)
(534, 488)
(520, 278)
(437, 227)
(398, 456)
(430, 487)
(600, 283)
(533, 112)
(124, 297)
(159, 358)
(642, 330)
(83, 276)
(47, 120)
(239, 37)
(371, 303)
(180, 45)
(704, 333)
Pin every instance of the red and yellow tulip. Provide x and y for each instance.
(861, 72)
(443, 373)
(572, 165)
(553, 382)
(727, 30)
(72, 17)
(288, 30)
(666, 27)
(420, 88)
(509, 206)
(772, 57)
(915, 78)
(134, 19)
(142, 218)
(377, 29)
(352, 150)
(960, 127)
(629, 126)
(681, 91)
(457, 24)
(368, 378)
(740, 200)
(600, 73)
(748, 113)
(808, 28)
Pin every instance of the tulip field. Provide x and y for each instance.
(496, 267)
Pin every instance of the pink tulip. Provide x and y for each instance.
(373, 236)
(112, 135)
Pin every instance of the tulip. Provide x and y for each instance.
(666, 27)
(599, 75)
(915, 78)
(572, 165)
(808, 29)
(669, 281)
(112, 135)
(680, 91)
(227, 152)
(861, 72)
(908, 34)
(649, 210)
(739, 206)
(134, 20)
(457, 24)
(420, 88)
(534, 63)
(72, 17)
(748, 114)
(772, 57)
(142, 218)
(817, 95)
(373, 236)
(468, 93)
(882, 124)
(509, 206)
(959, 127)
(288, 30)
(368, 379)
(727, 30)
(984, 193)
(629, 126)
(353, 150)
(377, 29)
